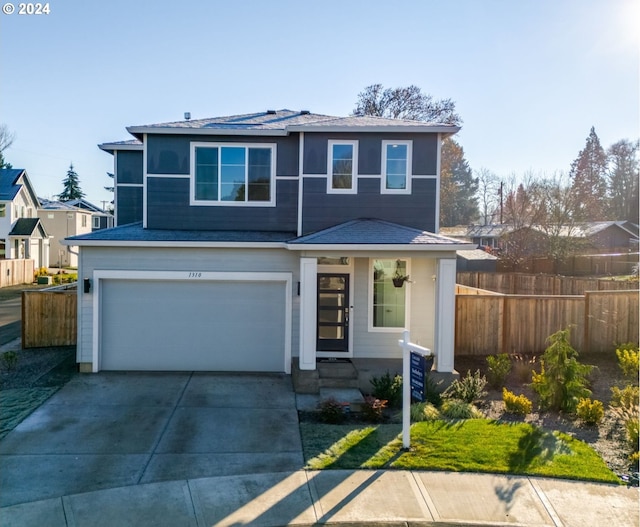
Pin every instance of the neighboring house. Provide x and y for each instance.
(62, 220)
(22, 235)
(608, 236)
(100, 219)
(476, 260)
(268, 239)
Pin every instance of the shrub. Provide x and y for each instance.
(629, 361)
(457, 409)
(424, 412)
(523, 365)
(628, 397)
(468, 389)
(431, 393)
(516, 404)
(372, 409)
(10, 359)
(499, 367)
(633, 433)
(591, 412)
(562, 380)
(331, 411)
(388, 388)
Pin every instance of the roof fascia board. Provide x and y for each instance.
(111, 147)
(139, 130)
(358, 248)
(372, 128)
(173, 244)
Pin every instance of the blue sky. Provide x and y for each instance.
(529, 77)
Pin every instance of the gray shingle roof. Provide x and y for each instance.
(374, 232)
(282, 122)
(26, 227)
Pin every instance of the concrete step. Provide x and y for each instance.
(337, 370)
(337, 382)
(349, 396)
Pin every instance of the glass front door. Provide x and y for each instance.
(333, 312)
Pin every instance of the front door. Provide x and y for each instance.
(333, 312)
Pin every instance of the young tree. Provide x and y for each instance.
(6, 140)
(71, 186)
(488, 195)
(623, 175)
(458, 203)
(405, 103)
(588, 174)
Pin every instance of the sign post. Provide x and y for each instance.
(413, 379)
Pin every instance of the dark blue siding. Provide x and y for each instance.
(129, 167)
(169, 154)
(322, 210)
(425, 152)
(129, 204)
(168, 208)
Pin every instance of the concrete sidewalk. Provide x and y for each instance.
(341, 497)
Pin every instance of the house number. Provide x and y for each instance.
(195, 275)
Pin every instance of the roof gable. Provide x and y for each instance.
(27, 227)
(12, 180)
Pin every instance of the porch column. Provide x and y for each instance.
(308, 309)
(445, 315)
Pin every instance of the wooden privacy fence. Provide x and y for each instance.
(15, 272)
(539, 284)
(49, 318)
(489, 324)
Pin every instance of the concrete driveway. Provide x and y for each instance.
(115, 429)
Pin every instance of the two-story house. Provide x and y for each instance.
(264, 239)
(100, 218)
(63, 220)
(22, 235)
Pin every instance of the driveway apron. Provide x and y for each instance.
(115, 429)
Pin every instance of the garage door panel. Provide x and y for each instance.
(182, 325)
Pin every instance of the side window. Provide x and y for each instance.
(388, 296)
(342, 166)
(3, 210)
(396, 167)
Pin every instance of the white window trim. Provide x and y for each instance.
(211, 203)
(95, 222)
(383, 179)
(354, 171)
(407, 300)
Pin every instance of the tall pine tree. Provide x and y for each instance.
(623, 175)
(71, 186)
(588, 175)
(458, 202)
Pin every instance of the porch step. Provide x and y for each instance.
(337, 375)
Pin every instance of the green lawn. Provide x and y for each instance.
(475, 445)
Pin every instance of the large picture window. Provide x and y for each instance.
(233, 173)
(342, 163)
(396, 166)
(389, 301)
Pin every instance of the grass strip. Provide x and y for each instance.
(475, 445)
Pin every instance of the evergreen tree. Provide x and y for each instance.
(588, 175)
(458, 202)
(71, 186)
(623, 175)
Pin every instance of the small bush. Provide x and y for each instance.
(516, 404)
(562, 380)
(628, 397)
(632, 426)
(468, 389)
(9, 359)
(591, 412)
(431, 393)
(499, 367)
(424, 412)
(523, 365)
(372, 409)
(389, 388)
(629, 361)
(331, 411)
(457, 409)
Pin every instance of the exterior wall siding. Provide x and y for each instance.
(128, 204)
(374, 344)
(128, 167)
(168, 208)
(322, 210)
(178, 259)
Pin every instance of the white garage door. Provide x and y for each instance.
(192, 326)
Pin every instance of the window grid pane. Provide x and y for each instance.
(396, 167)
(342, 166)
(388, 301)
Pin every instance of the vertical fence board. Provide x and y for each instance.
(612, 319)
(49, 318)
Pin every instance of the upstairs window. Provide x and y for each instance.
(396, 167)
(96, 222)
(342, 169)
(233, 174)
